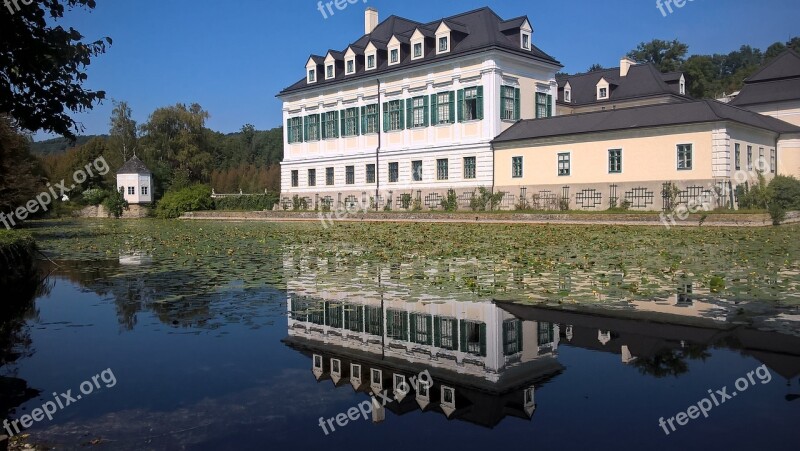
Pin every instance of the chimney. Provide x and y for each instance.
(625, 65)
(370, 20)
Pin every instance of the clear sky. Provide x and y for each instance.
(233, 56)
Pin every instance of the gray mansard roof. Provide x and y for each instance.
(683, 113)
(643, 80)
(473, 31)
(134, 166)
(778, 81)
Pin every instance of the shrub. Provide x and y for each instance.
(777, 213)
(95, 196)
(405, 201)
(299, 203)
(753, 197)
(450, 203)
(484, 198)
(177, 202)
(784, 192)
(115, 203)
(416, 205)
(257, 202)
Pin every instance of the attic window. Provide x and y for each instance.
(351, 66)
(444, 44)
(371, 61)
(417, 50)
(312, 75)
(567, 95)
(394, 56)
(683, 87)
(329, 71)
(526, 41)
(602, 93)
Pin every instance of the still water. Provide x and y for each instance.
(292, 366)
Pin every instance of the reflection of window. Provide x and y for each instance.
(318, 361)
(355, 371)
(446, 333)
(529, 396)
(374, 320)
(400, 383)
(545, 333)
(512, 336)
(397, 324)
(421, 329)
(376, 377)
(336, 366)
(473, 337)
(448, 395)
(423, 389)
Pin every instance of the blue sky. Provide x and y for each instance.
(233, 56)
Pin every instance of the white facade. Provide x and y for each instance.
(136, 188)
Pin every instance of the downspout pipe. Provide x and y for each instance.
(378, 149)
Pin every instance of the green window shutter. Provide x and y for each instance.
(516, 104)
(413, 328)
(460, 105)
(434, 110)
(437, 332)
(506, 329)
(480, 102)
(343, 130)
(519, 336)
(549, 105)
(305, 128)
(357, 121)
(410, 112)
(425, 103)
(462, 336)
(452, 107)
(483, 339)
(402, 117)
(363, 119)
(429, 320)
(289, 131)
(323, 119)
(405, 325)
(385, 116)
(335, 123)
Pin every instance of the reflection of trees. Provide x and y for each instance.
(670, 362)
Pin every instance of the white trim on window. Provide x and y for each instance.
(525, 40)
(348, 65)
(330, 71)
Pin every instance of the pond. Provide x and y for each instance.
(181, 335)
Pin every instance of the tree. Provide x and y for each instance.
(21, 177)
(595, 67)
(667, 56)
(42, 67)
(123, 134)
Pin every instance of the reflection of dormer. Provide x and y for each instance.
(603, 336)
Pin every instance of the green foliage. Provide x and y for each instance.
(667, 56)
(450, 203)
(44, 66)
(416, 205)
(259, 202)
(20, 173)
(94, 196)
(115, 203)
(484, 198)
(784, 192)
(299, 203)
(777, 214)
(177, 202)
(405, 201)
(753, 197)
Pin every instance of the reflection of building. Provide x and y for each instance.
(484, 362)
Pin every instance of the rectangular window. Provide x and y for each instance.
(395, 55)
(350, 120)
(441, 169)
(393, 172)
(312, 75)
(312, 177)
(144, 191)
(329, 71)
(329, 176)
(563, 164)
(603, 93)
(416, 170)
(684, 157)
(295, 178)
(370, 61)
(446, 333)
(737, 156)
(509, 101)
(418, 112)
(312, 127)
(443, 108)
(443, 44)
(397, 324)
(469, 167)
(749, 158)
(351, 66)
(294, 130)
(421, 326)
(418, 50)
(394, 115)
(761, 160)
(470, 104)
(473, 338)
(526, 41)
(615, 161)
(516, 167)
(544, 105)
(773, 160)
(369, 119)
(330, 125)
(370, 173)
(350, 175)
(512, 336)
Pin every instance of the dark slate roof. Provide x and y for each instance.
(643, 80)
(477, 30)
(778, 81)
(134, 166)
(694, 112)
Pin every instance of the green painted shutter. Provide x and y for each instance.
(425, 103)
(506, 328)
(305, 128)
(437, 332)
(434, 110)
(549, 105)
(462, 336)
(357, 121)
(480, 102)
(519, 335)
(363, 119)
(460, 105)
(323, 119)
(429, 320)
(402, 117)
(336, 122)
(410, 112)
(385, 116)
(342, 128)
(289, 131)
(413, 328)
(483, 339)
(452, 107)
(516, 104)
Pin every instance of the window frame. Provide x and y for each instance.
(370, 173)
(525, 39)
(417, 45)
(350, 122)
(618, 169)
(517, 167)
(682, 151)
(737, 156)
(446, 41)
(368, 119)
(294, 130)
(442, 169)
(395, 111)
(312, 177)
(350, 175)
(311, 76)
(394, 56)
(543, 100)
(330, 71)
(330, 176)
(470, 170)
(350, 66)
(295, 175)
(394, 171)
(561, 160)
(371, 58)
(416, 171)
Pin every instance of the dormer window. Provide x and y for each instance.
(444, 44)
(312, 75)
(394, 56)
(351, 67)
(418, 50)
(526, 41)
(329, 72)
(683, 86)
(567, 96)
(370, 62)
(602, 93)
